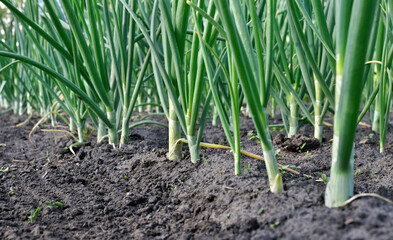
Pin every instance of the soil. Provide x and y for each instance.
(136, 193)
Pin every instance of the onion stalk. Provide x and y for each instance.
(351, 58)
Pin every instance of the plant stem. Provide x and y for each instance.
(72, 125)
(100, 130)
(340, 186)
(112, 132)
(293, 121)
(194, 149)
(174, 150)
(318, 128)
(378, 56)
(81, 134)
(273, 173)
(124, 128)
(377, 117)
(215, 116)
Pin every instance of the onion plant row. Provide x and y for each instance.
(96, 63)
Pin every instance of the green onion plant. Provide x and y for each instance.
(104, 64)
(351, 55)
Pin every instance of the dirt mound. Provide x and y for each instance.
(297, 143)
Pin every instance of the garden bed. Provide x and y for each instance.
(136, 193)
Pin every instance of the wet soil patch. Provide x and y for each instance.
(136, 193)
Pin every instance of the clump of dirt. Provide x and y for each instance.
(297, 143)
(136, 193)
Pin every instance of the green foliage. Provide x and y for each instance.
(275, 224)
(108, 62)
(33, 215)
(53, 205)
(248, 167)
(324, 178)
(11, 192)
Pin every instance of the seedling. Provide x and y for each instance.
(277, 129)
(277, 151)
(294, 167)
(302, 146)
(34, 214)
(293, 182)
(251, 135)
(260, 211)
(370, 136)
(11, 192)
(4, 170)
(180, 181)
(275, 224)
(47, 157)
(53, 205)
(308, 154)
(357, 172)
(174, 189)
(205, 158)
(374, 176)
(248, 167)
(323, 178)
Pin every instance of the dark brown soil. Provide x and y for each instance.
(136, 193)
(297, 143)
